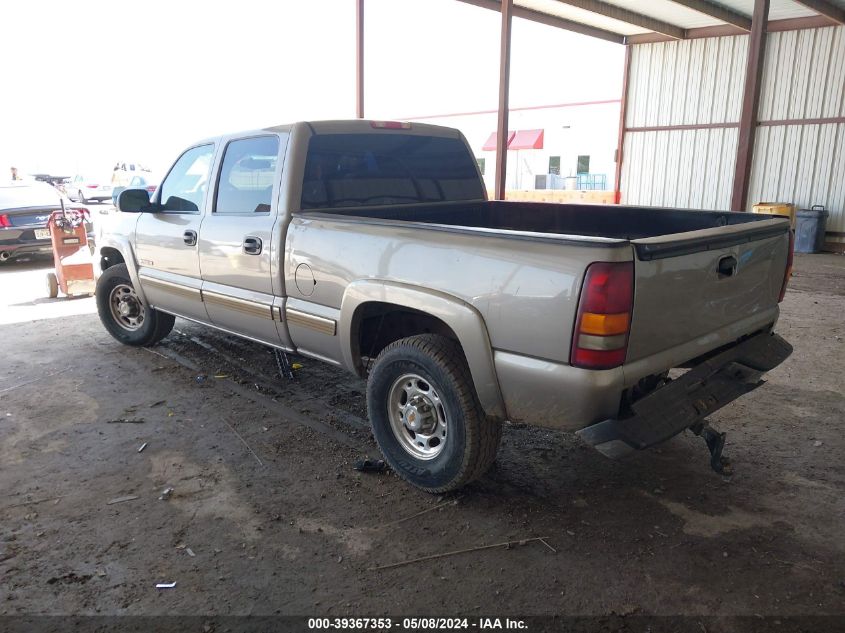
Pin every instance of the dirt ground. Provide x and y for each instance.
(267, 515)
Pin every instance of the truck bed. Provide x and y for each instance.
(586, 220)
(702, 278)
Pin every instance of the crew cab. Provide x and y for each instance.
(372, 246)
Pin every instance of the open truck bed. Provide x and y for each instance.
(577, 220)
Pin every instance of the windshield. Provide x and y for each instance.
(347, 170)
(36, 194)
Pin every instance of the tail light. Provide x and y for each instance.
(92, 186)
(788, 273)
(600, 340)
(151, 188)
(5, 222)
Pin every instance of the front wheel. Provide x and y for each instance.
(426, 416)
(123, 313)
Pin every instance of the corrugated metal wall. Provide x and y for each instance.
(686, 82)
(692, 82)
(699, 82)
(679, 168)
(803, 164)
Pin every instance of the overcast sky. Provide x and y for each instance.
(88, 83)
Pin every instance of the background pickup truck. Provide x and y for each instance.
(372, 246)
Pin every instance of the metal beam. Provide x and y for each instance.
(750, 103)
(789, 24)
(826, 9)
(629, 17)
(551, 20)
(504, 89)
(723, 14)
(359, 59)
(623, 113)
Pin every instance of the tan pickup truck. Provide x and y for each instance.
(371, 245)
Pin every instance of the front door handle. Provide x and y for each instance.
(190, 238)
(252, 245)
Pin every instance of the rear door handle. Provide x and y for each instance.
(252, 245)
(727, 266)
(190, 238)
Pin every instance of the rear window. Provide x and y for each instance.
(348, 170)
(37, 194)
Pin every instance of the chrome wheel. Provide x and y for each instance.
(417, 417)
(126, 308)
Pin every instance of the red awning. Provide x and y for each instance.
(527, 139)
(490, 145)
(521, 139)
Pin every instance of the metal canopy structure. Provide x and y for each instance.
(627, 22)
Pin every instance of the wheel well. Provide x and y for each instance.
(376, 325)
(109, 257)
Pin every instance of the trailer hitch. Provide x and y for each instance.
(715, 441)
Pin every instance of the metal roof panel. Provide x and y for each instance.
(670, 12)
(568, 12)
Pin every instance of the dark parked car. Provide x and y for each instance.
(25, 208)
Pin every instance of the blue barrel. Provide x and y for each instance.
(809, 229)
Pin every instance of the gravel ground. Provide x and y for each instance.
(267, 515)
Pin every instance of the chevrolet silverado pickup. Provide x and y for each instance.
(372, 246)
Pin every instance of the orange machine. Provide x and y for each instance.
(74, 267)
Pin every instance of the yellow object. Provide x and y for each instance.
(776, 208)
(604, 324)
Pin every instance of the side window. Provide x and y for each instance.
(184, 188)
(247, 175)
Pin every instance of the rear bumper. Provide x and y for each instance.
(14, 243)
(678, 405)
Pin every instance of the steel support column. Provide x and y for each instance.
(750, 103)
(504, 88)
(623, 113)
(359, 59)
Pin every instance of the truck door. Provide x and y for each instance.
(166, 241)
(241, 240)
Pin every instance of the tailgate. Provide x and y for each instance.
(697, 285)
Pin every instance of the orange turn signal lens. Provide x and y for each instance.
(604, 324)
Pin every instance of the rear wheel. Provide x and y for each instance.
(123, 313)
(426, 416)
(52, 285)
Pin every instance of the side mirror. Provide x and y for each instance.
(133, 201)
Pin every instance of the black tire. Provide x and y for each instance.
(471, 439)
(52, 285)
(155, 324)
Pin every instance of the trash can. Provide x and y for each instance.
(809, 229)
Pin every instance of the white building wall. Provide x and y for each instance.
(569, 131)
